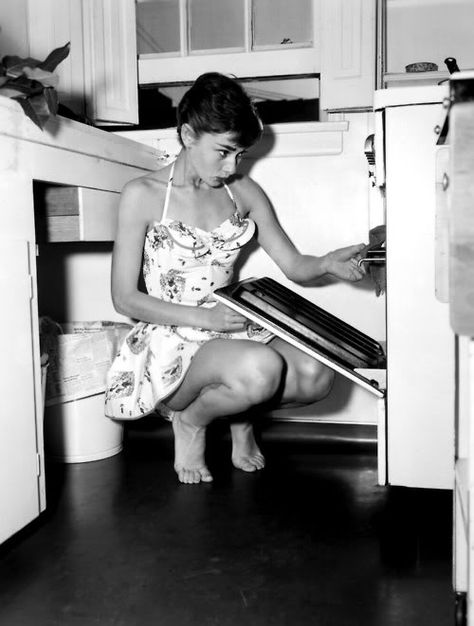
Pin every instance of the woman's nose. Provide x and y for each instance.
(230, 166)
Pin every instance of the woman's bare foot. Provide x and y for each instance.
(246, 455)
(189, 447)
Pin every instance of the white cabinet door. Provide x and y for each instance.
(110, 61)
(21, 475)
(460, 188)
(348, 53)
(99, 77)
(51, 24)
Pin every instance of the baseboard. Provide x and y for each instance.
(360, 437)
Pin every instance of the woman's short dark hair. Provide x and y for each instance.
(218, 104)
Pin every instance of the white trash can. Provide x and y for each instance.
(80, 353)
(78, 431)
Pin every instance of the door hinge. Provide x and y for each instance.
(38, 464)
(32, 287)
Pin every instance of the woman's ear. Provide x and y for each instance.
(188, 136)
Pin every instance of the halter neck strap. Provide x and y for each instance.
(170, 184)
(168, 191)
(230, 194)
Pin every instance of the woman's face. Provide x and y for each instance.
(215, 156)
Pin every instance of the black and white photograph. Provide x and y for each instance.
(237, 312)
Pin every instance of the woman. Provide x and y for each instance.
(189, 357)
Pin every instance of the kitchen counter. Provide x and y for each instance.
(65, 153)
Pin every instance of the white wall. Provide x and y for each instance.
(429, 30)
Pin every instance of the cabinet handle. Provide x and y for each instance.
(445, 182)
(437, 129)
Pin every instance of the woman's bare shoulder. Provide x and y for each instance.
(248, 192)
(145, 195)
(154, 182)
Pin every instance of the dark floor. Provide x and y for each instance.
(311, 540)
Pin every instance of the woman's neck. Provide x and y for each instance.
(185, 174)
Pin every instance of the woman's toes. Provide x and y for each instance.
(249, 463)
(206, 475)
(246, 466)
(188, 477)
(194, 476)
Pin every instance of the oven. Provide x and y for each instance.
(419, 415)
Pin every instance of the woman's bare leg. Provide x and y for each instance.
(225, 378)
(305, 381)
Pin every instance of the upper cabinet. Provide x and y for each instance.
(99, 79)
(332, 39)
(110, 61)
(180, 39)
(348, 54)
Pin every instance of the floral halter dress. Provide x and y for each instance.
(184, 265)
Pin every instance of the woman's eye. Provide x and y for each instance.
(223, 153)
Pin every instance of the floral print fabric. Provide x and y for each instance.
(181, 264)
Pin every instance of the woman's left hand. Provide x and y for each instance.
(343, 263)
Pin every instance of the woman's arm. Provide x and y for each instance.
(137, 210)
(298, 267)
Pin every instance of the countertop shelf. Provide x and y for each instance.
(414, 78)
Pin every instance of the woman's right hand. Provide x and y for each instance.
(224, 319)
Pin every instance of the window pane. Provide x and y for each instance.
(430, 32)
(216, 24)
(158, 26)
(279, 22)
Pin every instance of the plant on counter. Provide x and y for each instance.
(32, 83)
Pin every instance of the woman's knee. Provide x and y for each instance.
(259, 373)
(314, 380)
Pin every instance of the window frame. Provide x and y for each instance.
(262, 61)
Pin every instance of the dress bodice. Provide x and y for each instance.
(185, 264)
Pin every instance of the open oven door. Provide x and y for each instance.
(318, 333)
(308, 327)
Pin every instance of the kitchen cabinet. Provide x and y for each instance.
(99, 78)
(22, 479)
(110, 61)
(65, 153)
(459, 189)
(348, 53)
(335, 39)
